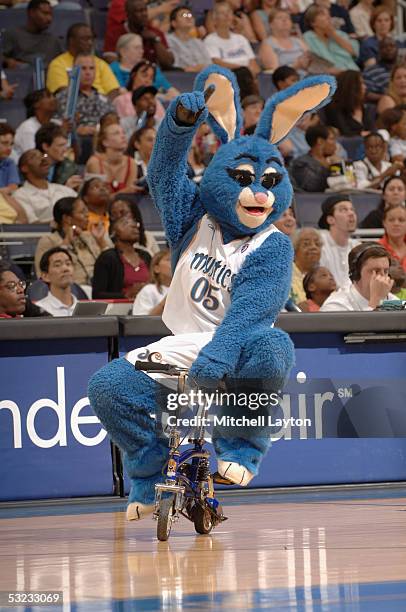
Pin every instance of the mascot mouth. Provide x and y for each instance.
(255, 211)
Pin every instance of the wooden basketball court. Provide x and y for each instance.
(334, 549)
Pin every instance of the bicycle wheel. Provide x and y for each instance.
(202, 520)
(165, 515)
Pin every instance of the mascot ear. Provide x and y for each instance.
(284, 110)
(225, 116)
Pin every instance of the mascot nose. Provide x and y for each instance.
(261, 198)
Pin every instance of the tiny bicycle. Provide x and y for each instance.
(188, 489)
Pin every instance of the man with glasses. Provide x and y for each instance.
(37, 196)
(189, 52)
(13, 301)
(80, 39)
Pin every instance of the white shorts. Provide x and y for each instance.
(180, 350)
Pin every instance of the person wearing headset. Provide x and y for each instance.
(370, 281)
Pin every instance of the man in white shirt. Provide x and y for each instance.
(190, 53)
(370, 281)
(226, 48)
(57, 271)
(340, 220)
(37, 196)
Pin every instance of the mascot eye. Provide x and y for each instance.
(271, 180)
(242, 177)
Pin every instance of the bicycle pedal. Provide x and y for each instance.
(219, 479)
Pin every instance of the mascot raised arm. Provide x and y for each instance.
(232, 272)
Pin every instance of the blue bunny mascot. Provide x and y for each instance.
(232, 271)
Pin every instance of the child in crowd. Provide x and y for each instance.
(318, 284)
(151, 298)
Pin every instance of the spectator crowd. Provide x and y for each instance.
(82, 178)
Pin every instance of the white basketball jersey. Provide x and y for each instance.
(199, 295)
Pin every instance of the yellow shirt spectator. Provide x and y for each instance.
(57, 76)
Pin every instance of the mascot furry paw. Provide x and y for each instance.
(232, 272)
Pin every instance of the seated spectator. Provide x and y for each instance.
(281, 48)
(307, 246)
(376, 77)
(284, 77)
(360, 16)
(56, 268)
(287, 222)
(132, 16)
(111, 161)
(339, 15)
(226, 48)
(70, 232)
(51, 140)
(91, 105)
(128, 208)
(37, 196)
(318, 284)
(373, 169)
(122, 271)
(310, 171)
(393, 194)
(329, 44)
(24, 44)
(382, 23)
(144, 103)
(11, 211)
(260, 18)
(396, 93)
(252, 107)
(189, 52)
(397, 273)
(140, 148)
(6, 90)
(41, 107)
(13, 301)
(370, 282)
(142, 75)
(80, 39)
(130, 51)
(9, 177)
(347, 111)
(340, 220)
(393, 120)
(96, 195)
(240, 23)
(394, 239)
(150, 300)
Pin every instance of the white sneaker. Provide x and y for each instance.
(238, 474)
(137, 511)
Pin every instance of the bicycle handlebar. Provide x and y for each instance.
(163, 368)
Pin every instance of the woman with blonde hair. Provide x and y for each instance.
(151, 299)
(111, 162)
(281, 48)
(396, 92)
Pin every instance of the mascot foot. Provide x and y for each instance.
(137, 511)
(234, 472)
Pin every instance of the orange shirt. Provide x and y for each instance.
(385, 243)
(94, 219)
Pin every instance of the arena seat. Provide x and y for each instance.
(183, 81)
(98, 21)
(64, 18)
(39, 289)
(12, 18)
(308, 206)
(353, 146)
